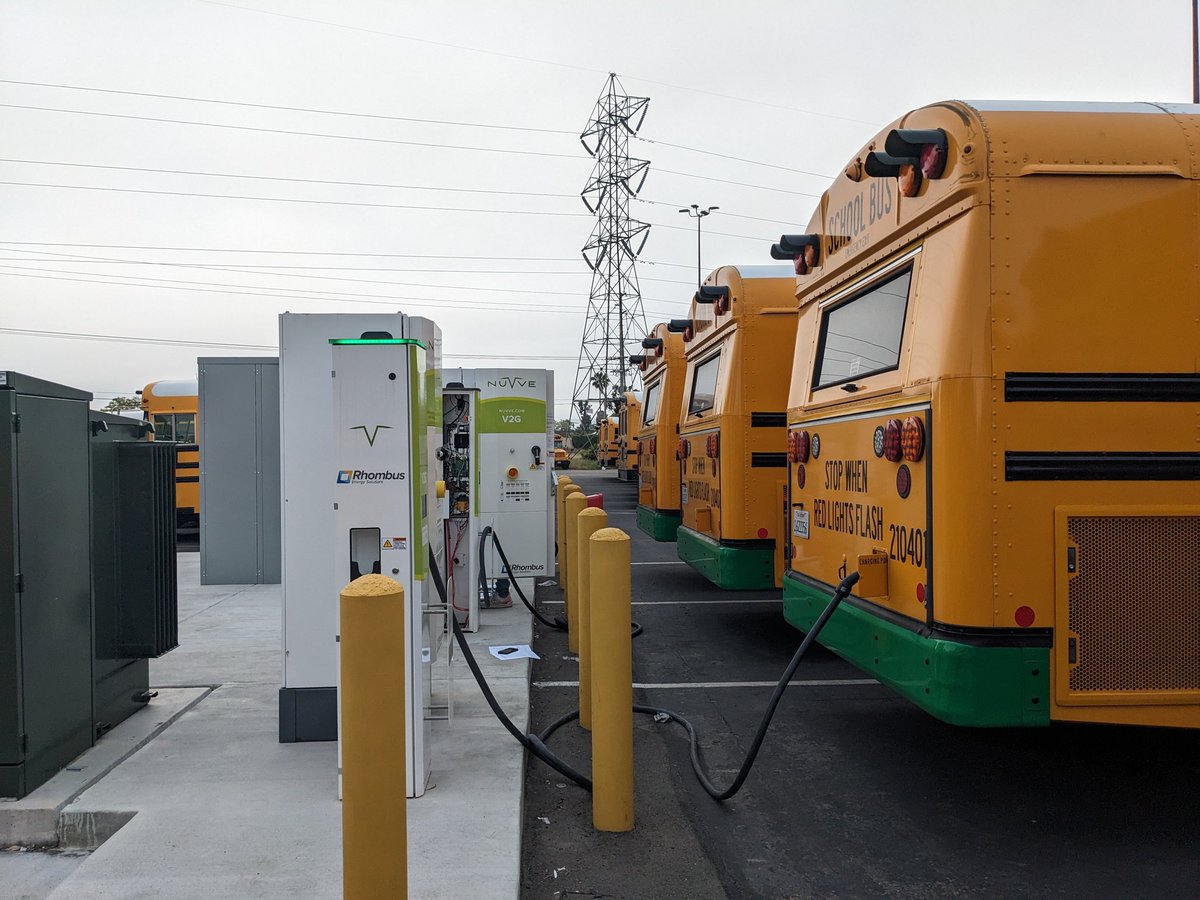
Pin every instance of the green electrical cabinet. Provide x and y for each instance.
(45, 581)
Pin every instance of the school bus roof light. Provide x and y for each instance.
(892, 433)
(638, 360)
(717, 295)
(686, 327)
(912, 439)
(653, 343)
(910, 155)
(804, 250)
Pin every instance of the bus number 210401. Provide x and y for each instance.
(907, 545)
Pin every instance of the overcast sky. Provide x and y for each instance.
(484, 242)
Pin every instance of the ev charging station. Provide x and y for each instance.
(359, 398)
(497, 458)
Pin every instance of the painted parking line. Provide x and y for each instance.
(687, 685)
(667, 562)
(777, 601)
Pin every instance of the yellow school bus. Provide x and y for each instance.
(562, 459)
(628, 418)
(733, 425)
(994, 411)
(171, 407)
(663, 370)
(607, 442)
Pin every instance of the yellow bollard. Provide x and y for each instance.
(559, 496)
(560, 523)
(590, 521)
(612, 681)
(374, 810)
(573, 505)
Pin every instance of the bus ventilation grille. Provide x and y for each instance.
(1135, 603)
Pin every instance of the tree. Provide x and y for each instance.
(120, 404)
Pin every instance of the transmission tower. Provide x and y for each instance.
(615, 322)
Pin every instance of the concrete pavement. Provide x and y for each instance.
(217, 807)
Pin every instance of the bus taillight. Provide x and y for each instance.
(685, 449)
(912, 439)
(653, 445)
(712, 446)
(892, 437)
(798, 446)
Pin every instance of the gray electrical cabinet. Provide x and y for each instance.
(45, 580)
(239, 470)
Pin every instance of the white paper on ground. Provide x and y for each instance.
(513, 651)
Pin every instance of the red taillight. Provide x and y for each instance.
(892, 451)
(685, 449)
(903, 482)
(800, 476)
(653, 445)
(912, 439)
(798, 446)
(712, 446)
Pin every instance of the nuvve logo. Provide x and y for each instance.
(359, 476)
(509, 381)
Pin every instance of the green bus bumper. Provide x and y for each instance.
(959, 683)
(660, 524)
(734, 568)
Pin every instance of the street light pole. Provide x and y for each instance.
(695, 212)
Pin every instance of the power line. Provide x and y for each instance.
(759, 187)
(319, 134)
(433, 302)
(214, 268)
(530, 59)
(370, 184)
(723, 213)
(296, 252)
(113, 190)
(135, 339)
(303, 109)
(753, 162)
(649, 262)
(251, 268)
(281, 293)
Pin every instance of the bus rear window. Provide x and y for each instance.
(704, 386)
(861, 336)
(650, 407)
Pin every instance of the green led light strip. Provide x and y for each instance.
(356, 341)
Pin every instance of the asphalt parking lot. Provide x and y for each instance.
(856, 792)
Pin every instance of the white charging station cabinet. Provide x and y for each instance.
(356, 448)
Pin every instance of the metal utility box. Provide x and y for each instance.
(45, 581)
(239, 470)
(133, 563)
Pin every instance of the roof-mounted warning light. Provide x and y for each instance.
(717, 295)
(911, 155)
(686, 327)
(653, 343)
(804, 250)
